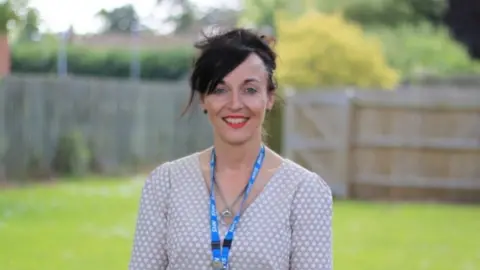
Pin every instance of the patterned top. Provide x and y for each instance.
(288, 226)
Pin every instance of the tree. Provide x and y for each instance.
(261, 13)
(396, 12)
(29, 29)
(10, 11)
(8, 15)
(325, 50)
(120, 20)
(185, 18)
(220, 16)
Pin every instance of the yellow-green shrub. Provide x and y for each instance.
(318, 49)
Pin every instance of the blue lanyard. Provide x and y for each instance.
(220, 253)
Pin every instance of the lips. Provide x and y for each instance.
(235, 121)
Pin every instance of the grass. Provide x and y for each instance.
(89, 225)
(74, 226)
(406, 236)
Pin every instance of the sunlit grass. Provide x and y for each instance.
(68, 226)
(406, 237)
(89, 225)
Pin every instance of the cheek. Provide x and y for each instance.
(258, 105)
(212, 105)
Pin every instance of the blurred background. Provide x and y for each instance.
(380, 97)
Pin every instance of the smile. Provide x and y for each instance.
(235, 122)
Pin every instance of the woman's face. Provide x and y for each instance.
(236, 108)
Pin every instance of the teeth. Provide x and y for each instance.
(235, 120)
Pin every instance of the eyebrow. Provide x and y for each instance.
(248, 80)
(251, 80)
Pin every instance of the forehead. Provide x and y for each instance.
(252, 68)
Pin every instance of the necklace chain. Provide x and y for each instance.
(228, 210)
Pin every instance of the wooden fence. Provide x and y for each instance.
(123, 125)
(408, 144)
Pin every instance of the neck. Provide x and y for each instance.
(235, 157)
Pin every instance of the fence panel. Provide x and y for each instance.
(391, 145)
(125, 125)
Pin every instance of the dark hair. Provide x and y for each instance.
(222, 53)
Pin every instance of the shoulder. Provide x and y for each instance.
(173, 168)
(304, 179)
(312, 196)
(159, 182)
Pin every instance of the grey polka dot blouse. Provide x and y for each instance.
(288, 226)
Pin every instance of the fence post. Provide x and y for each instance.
(135, 65)
(288, 126)
(346, 159)
(62, 62)
(3, 130)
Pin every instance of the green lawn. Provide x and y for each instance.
(89, 225)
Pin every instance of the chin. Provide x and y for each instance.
(236, 139)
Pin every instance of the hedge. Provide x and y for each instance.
(171, 64)
(395, 12)
(424, 50)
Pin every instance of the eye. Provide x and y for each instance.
(219, 90)
(251, 90)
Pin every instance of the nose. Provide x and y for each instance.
(236, 102)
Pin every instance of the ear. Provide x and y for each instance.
(271, 100)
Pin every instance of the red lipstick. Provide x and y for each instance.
(235, 121)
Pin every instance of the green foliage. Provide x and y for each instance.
(30, 27)
(325, 50)
(366, 12)
(119, 20)
(72, 156)
(411, 33)
(274, 128)
(171, 64)
(261, 13)
(7, 14)
(185, 17)
(395, 12)
(424, 49)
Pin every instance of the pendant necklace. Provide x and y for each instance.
(228, 212)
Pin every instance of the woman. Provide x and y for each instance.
(211, 209)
